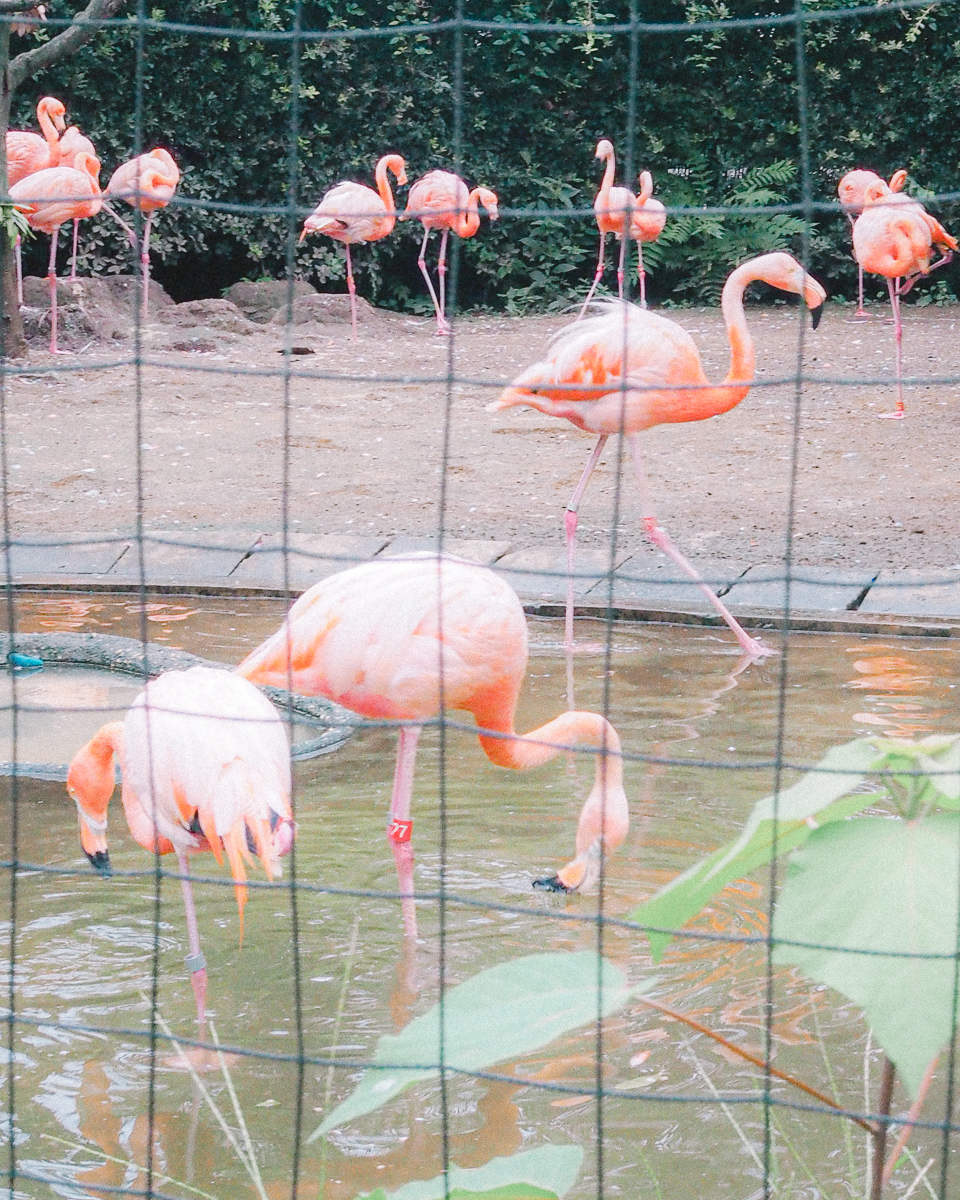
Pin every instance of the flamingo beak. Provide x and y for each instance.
(100, 861)
(815, 315)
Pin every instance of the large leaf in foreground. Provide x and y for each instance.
(885, 887)
(502, 1013)
(546, 1173)
(820, 794)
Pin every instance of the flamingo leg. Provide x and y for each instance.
(19, 260)
(894, 288)
(400, 826)
(442, 326)
(442, 272)
(623, 255)
(570, 529)
(196, 963)
(73, 258)
(597, 277)
(52, 281)
(352, 289)
(145, 264)
(120, 221)
(753, 647)
(908, 283)
(861, 314)
(641, 275)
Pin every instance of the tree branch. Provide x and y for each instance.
(83, 28)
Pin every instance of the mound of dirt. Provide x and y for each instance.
(104, 309)
(260, 301)
(220, 315)
(327, 308)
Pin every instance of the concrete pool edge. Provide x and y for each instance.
(769, 619)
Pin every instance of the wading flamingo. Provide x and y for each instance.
(851, 189)
(353, 212)
(72, 145)
(584, 378)
(205, 765)
(895, 237)
(440, 200)
(628, 217)
(393, 640)
(147, 182)
(53, 196)
(28, 152)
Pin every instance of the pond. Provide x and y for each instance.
(82, 1074)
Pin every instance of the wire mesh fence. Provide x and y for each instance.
(731, 1019)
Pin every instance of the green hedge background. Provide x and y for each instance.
(716, 123)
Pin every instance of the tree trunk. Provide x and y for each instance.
(12, 342)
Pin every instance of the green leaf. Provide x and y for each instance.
(884, 886)
(504, 1012)
(820, 794)
(546, 1173)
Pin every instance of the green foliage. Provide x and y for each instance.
(545, 1173)
(505, 1011)
(14, 224)
(533, 107)
(869, 906)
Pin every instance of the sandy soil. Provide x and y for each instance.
(369, 426)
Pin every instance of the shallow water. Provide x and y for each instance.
(82, 1070)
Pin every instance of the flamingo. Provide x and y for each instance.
(851, 189)
(72, 144)
(584, 378)
(353, 212)
(440, 200)
(206, 766)
(398, 638)
(612, 207)
(895, 236)
(51, 197)
(147, 182)
(28, 152)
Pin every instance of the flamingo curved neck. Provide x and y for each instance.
(739, 377)
(522, 751)
(383, 185)
(468, 221)
(608, 174)
(48, 128)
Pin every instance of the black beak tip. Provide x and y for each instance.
(816, 314)
(100, 862)
(550, 884)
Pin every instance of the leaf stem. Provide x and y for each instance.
(887, 1075)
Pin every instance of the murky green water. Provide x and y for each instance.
(81, 1068)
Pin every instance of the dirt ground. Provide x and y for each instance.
(367, 428)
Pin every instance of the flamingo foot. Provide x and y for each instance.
(553, 883)
(861, 315)
(897, 415)
(755, 649)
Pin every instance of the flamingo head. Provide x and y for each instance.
(394, 163)
(90, 784)
(897, 180)
(55, 110)
(875, 193)
(646, 186)
(88, 163)
(852, 186)
(489, 201)
(579, 875)
(604, 149)
(781, 270)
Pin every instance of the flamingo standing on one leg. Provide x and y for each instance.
(206, 766)
(895, 237)
(72, 144)
(353, 212)
(629, 369)
(28, 153)
(851, 189)
(440, 200)
(394, 640)
(646, 224)
(613, 208)
(147, 182)
(51, 197)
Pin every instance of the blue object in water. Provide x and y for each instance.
(23, 662)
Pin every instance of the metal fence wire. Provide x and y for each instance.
(325, 986)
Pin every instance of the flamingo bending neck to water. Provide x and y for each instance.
(851, 189)
(205, 765)
(353, 212)
(630, 369)
(395, 640)
(440, 200)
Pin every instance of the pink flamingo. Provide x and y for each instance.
(895, 236)
(353, 212)
(628, 217)
(851, 189)
(72, 144)
(206, 766)
(51, 197)
(630, 369)
(147, 182)
(394, 640)
(27, 152)
(440, 200)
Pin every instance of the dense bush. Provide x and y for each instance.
(717, 121)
